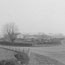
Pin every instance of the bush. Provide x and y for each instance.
(9, 62)
(15, 44)
(2, 62)
(5, 62)
(22, 57)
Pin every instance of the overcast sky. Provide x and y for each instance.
(33, 16)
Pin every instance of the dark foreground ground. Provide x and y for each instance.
(35, 59)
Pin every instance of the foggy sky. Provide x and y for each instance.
(33, 16)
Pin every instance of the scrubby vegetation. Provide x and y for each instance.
(9, 62)
(20, 58)
(15, 44)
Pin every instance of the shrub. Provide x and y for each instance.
(2, 62)
(22, 57)
(15, 44)
(9, 62)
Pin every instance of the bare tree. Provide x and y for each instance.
(10, 31)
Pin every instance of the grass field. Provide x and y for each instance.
(35, 59)
(54, 55)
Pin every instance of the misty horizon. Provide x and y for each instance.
(34, 16)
